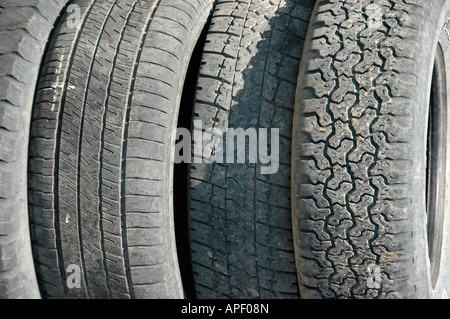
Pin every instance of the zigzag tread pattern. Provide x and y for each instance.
(353, 127)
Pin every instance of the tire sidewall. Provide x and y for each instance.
(442, 288)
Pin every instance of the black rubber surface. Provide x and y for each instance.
(100, 165)
(25, 27)
(240, 226)
(359, 156)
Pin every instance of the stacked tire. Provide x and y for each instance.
(92, 93)
(106, 91)
(370, 151)
(240, 219)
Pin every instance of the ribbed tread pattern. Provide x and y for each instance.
(100, 164)
(24, 30)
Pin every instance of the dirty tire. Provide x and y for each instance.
(239, 219)
(360, 148)
(24, 30)
(100, 159)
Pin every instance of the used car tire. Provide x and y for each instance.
(101, 149)
(239, 219)
(25, 27)
(370, 151)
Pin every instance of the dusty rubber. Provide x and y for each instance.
(239, 220)
(25, 28)
(101, 151)
(360, 145)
